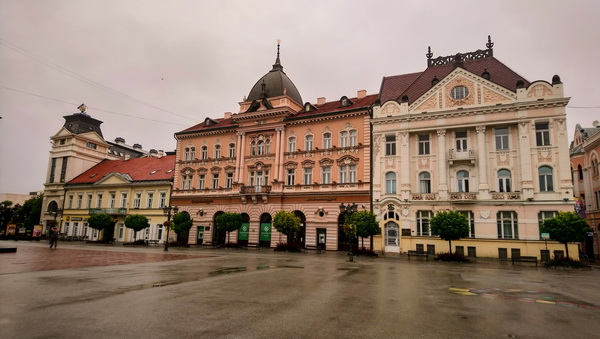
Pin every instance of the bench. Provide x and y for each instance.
(152, 242)
(253, 244)
(522, 258)
(418, 254)
(312, 248)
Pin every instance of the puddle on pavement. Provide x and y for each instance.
(228, 270)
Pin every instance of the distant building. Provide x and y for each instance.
(585, 165)
(470, 134)
(277, 153)
(119, 188)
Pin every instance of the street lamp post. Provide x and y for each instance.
(349, 210)
(167, 211)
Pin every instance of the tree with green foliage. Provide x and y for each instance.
(136, 222)
(100, 221)
(449, 225)
(182, 222)
(229, 222)
(366, 224)
(29, 213)
(287, 223)
(566, 227)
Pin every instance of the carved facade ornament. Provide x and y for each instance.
(187, 171)
(544, 155)
(377, 141)
(523, 127)
(480, 129)
(441, 132)
(405, 210)
(490, 96)
(326, 162)
(404, 136)
(291, 165)
(468, 100)
(539, 91)
(502, 158)
(429, 104)
(390, 109)
(202, 170)
(562, 126)
(347, 160)
(229, 169)
(485, 214)
(390, 162)
(424, 162)
(215, 170)
(308, 164)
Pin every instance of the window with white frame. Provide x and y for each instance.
(291, 176)
(390, 145)
(229, 180)
(326, 175)
(260, 147)
(423, 144)
(542, 134)
(137, 199)
(123, 200)
(461, 141)
(253, 148)
(150, 199)
(215, 180)
(504, 182)
(544, 215)
(508, 225)
(326, 140)
(343, 138)
(70, 201)
(352, 173)
(232, 150)
(471, 221)
(217, 151)
(162, 199)
(268, 146)
(308, 176)
(79, 200)
(424, 182)
(501, 138)
(99, 201)
(308, 143)
(89, 200)
(258, 178)
(462, 181)
(390, 183)
(189, 153)
(545, 178)
(423, 218)
(186, 181)
(204, 152)
(201, 181)
(112, 198)
(353, 136)
(292, 144)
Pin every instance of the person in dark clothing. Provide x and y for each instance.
(53, 237)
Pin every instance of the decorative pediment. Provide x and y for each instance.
(114, 178)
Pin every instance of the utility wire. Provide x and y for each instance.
(95, 108)
(82, 78)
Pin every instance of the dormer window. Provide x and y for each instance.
(344, 102)
(308, 107)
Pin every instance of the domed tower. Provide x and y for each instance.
(274, 89)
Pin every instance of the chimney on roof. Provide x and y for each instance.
(120, 140)
(127, 156)
(152, 152)
(321, 101)
(227, 115)
(361, 94)
(137, 146)
(161, 153)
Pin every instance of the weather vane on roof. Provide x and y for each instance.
(82, 108)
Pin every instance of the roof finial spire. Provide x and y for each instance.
(277, 60)
(489, 44)
(277, 66)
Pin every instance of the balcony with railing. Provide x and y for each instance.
(255, 189)
(506, 195)
(465, 197)
(423, 196)
(111, 211)
(461, 156)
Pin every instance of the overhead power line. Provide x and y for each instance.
(95, 108)
(82, 78)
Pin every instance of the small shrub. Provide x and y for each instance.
(451, 257)
(365, 252)
(565, 262)
(287, 247)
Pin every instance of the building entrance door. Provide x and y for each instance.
(392, 237)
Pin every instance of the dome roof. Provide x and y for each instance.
(274, 84)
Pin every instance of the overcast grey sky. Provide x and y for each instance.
(151, 68)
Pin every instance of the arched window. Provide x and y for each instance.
(308, 143)
(204, 152)
(545, 176)
(217, 151)
(232, 150)
(391, 234)
(261, 147)
(292, 144)
(253, 148)
(462, 181)
(326, 140)
(267, 146)
(504, 181)
(424, 182)
(390, 183)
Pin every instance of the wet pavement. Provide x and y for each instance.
(90, 291)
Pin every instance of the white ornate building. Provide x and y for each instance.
(470, 134)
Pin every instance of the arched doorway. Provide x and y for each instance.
(244, 231)
(342, 239)
(218, 237)
(300, 236)
(392, 237)
(264, 231)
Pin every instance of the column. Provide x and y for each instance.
(524, 151)
(404, 160)
(482, 159)
(282, 149)
(242, 152)
(442, 163)
(277, 153)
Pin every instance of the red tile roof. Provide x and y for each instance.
(334, 106)
(139, 169)
(220, 123)
(414, 85)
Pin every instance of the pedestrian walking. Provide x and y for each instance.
(53, 237)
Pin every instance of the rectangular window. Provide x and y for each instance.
(508, 225)
(353, 138)
(201, 179)
(501, 138)
(542, 134)
(70, 201)
(80, 200)
(390, 145)
(89, 200)
(423, 222)
(291, 176)
(90, 145)
(326, 175)
(217, 151)
(461, 141)
(424, 144)
(215, 181)
(63, 170)
(292, 144)
(229, 180)
(343, 174)
(352, 173)
(543, 215)
(111, 200)
(150, 202)
(327, 141)
(204, 152)
(308, 176)
(99, 203)
(162, 199)
(52, 170)
(137, 200)
(123, 200)
(343, 138)
(471, 220)
(232, 150)
(308, 144)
